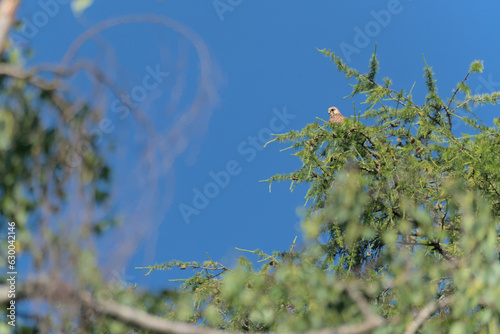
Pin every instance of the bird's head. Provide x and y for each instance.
(333, 111)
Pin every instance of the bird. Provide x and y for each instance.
(335, 115)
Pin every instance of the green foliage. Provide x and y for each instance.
(456, 282)
(406, 156)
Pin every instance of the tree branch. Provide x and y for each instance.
(8, 10)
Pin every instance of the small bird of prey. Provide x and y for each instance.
(335, 115)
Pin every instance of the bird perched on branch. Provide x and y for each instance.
(335, 115)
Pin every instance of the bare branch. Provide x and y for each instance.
(8, 10)
(63, 292)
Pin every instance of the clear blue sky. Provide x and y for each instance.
(264, 61)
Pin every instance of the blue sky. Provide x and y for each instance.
(265, 74)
